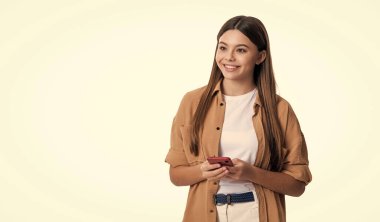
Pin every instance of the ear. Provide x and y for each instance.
(261, 58)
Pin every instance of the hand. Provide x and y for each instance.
(240, 171)
(212, 171)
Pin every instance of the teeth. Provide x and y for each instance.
(230, 67)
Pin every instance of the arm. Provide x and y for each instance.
(185, 175)
(295, 173)
(275, 181)
(189, 175)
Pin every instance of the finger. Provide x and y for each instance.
(232, 169)
(208, 167)
(235, 161)
(219, 176)
(231, 176)
(213, 166)
(218, 171)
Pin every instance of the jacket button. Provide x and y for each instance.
(218, 128)
(211, 211)
(215, 183)
(221, 104)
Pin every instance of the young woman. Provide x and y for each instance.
(238, 115)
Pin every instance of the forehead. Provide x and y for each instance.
(235, 37)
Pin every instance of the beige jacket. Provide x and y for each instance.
(200, 206)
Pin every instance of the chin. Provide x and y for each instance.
(231, 76)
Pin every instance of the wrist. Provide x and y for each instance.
(252, 174)
(200, 170)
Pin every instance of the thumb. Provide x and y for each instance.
(236, 161)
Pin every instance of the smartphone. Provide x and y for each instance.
(223, 161)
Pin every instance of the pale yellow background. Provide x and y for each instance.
(88, 90)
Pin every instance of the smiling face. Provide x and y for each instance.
(237, 56)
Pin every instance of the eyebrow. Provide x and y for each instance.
(236, 45)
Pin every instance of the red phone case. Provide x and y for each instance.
(224, 161)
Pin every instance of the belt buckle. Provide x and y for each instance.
(219, 204)
(228, 199)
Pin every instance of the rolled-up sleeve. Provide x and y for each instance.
(295, 159)
(176, 155)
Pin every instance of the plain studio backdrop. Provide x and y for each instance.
(88, 91)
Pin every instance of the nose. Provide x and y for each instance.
(230, 56)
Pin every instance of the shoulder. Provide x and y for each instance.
(192, 98)
(285, 110)
(194, 94)
(189, 104)
(282, 104)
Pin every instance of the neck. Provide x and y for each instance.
(236, 88)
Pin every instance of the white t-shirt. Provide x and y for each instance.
(238, 139)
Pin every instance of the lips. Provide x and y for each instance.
(230, 68)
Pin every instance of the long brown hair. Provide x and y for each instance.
(263, 77)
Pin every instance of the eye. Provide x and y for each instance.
(241, 50)
(222, 48)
